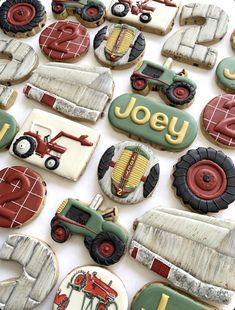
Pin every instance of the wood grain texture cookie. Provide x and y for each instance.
(38, 277)
(22, 61)
(22, 18)
(55, 143)
(84, 94)
(7, 97)
(118, 46)
(204, 179)
(190, 45)
(90, 13)
(191, 251)
(91, 287)
(128, 172)
(156, 16)
(64, 41)
(8, 129)
(225, 74)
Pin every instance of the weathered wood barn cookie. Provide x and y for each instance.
(7, 97)
(128, 172)
(55, 143)
(194, 252)
(83, 95)
(39, 272)
(118, 46)
(8, 129)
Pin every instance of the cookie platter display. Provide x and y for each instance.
(190, 254)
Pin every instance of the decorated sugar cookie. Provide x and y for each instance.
(160, 125)
(64, 41)
(8, 129)
(22, 61)
(38, 277)
(225, 74)
(89, 13)
(7, 97)
(91, 287)
(118, 46)
(22, 18)
(84, 95)
(174, 88)
(128, 172)
(156, 16)
(218, 120)
(55, 144)
(105, 240)
(204, 180)
(187, 250)
(232, 40)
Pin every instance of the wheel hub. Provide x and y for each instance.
(21, 14)
(181, 92)
(107, 249)
(119, 8)
(92, 11)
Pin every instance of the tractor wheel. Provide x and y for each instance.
(92, 13)
(107, 249)
(52, 163)
(60, 233)
(24, 146)
(140, 85)
(99, 37)
(120, 9)
(180, 93)
(53, 221)
(105, 162)
(58, 8)
(151, 181)
(138, 48)
(87, 242)
(145, 18)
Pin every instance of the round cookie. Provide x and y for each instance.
(128, 172)
(218, 120)
(22, 18)
(232, 40)
(64, 41)
(22, 195)
(118, 46)
(8, 129)
(204, 179)
(91, 287)
(225, 74)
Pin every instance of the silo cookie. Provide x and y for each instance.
(7, 97)
(118, 46)
(128, 172)
(22, 18)
(8, 129)
(225, 74)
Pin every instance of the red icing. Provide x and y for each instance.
(64, 40)
(21, 14)
(92, 11)
(48, 100)
(134, 252)
(160, 268)
(206, 179)
(181, 92)
(107, 249)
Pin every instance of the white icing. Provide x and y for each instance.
(6, 95)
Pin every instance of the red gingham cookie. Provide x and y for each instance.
(64, 41)
(22, 194)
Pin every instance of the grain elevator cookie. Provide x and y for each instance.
(22, 18)
(232, 40)
(84, 95)
(55, 143)
(38, 277)
(8, 129)
(156, 16)
(89, 13)
(104, 239)
(187, 249)
(225, 74)
(7, 97)
(91, 287)
(158, 124)
(204, 179)
(218, 119)
(128, 172)
(22, 61)
(174, 88)
(64, 41)
(118, 46)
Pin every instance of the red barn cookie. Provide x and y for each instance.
(64, 41)
(22, 194)
(218, 120)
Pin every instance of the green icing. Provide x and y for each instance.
(227, 83)
(149, 299)
(167, 127)
(9, 126)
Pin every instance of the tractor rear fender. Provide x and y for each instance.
(96, 2)
(117, 230)
(178, 78)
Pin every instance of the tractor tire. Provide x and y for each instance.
(99, 37)
(151, 181)
(140, 85)
(107, 249)
(24, 146)
(145, 18)
(205, 180)
(52, 163)
(58, 8)
(138, 48)
(105, 162)
(32, 9)
(180, 93)
(92, 13)
(87, 242)
(60, 233)
(120, 9)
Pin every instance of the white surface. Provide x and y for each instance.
(73, 253)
